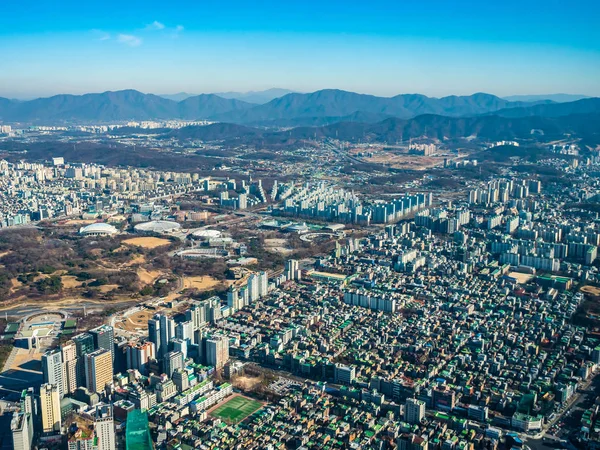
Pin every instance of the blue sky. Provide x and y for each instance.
(435, 47)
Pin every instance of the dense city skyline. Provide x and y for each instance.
(384, 48)
(300, 225)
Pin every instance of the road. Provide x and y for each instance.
(570, 415)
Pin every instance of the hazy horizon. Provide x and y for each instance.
(383, 48)
(231, 91)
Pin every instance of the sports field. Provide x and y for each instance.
(236, 409)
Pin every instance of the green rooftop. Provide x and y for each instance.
(137, 431)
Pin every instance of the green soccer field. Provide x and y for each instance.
(236, 409)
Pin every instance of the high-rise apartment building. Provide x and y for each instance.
(180, 345)
(104, 428)
(242, 201)
(161, 329)
(167, 332)
(53, 370)
(253, 290)
(69, 358)
(185, 331)
(22, 434)
(84, 344)
(197, 314)
(233, 299)
(98, 370)
(30, 406)
(263, 284)
(217, 351)
(104, 337)
(172, 362)
(50, 408)
(139, 356)
(414, 411)
(292, 270)
(154, 334)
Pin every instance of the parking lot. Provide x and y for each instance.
(282, 385)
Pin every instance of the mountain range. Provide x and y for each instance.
(337, 103)
(294, 109)
(584, 106)
(178, 96)
(558, 98)
(115, 106)
(394, 130)
(257, 97)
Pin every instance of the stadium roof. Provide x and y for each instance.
(158, 226)
(99, 227)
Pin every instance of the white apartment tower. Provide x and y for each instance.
(414, 411)
(104, 428)
(53, 370)
(20, 427)
(292, 270)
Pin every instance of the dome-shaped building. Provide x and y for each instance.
(206, 235)
(157, 226)
(297, 228)
(98, 229)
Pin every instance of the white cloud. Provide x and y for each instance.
(130, 40)
(135, 41)
(155, 26)
(101, 35)
(177, 31)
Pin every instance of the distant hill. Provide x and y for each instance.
(558, 98)
(316, 121)
(120, 105)
(115, 106)
(443, 127)
(337, 103)
(585, 106)
(258, 97)
(394, 130)
(177, 97)
(5, 102)
(205, 106)
(5, 106)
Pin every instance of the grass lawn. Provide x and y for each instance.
(236, 409)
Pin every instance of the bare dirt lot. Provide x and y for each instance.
(15, 284)
(147, 276)
(139, 259)
(70, 282)
(403, 160)
(278, 246)
(81, 222)
(137, 321)
(108, 287)
(522, 278)
(201, 283)
(591, 290)
(147, 242)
